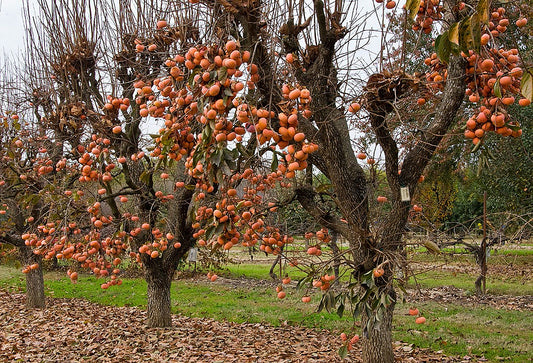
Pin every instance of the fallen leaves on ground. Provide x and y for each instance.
(454, 295)
(74, 330)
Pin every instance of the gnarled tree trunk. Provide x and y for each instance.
(158, 294)
(377, 342)
(34, 279)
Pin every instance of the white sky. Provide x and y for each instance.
(11, 26)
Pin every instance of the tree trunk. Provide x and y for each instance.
(55, 263)
(276, 261)
(377, 340)
(34, 280)
(158, 294)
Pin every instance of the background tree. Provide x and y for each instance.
(72, 67)
(31, 168)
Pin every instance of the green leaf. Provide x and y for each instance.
(199, 154)
(274, 165)
(242, 150)
(228, 92)
(323, 187)
(190, 81)
(220, 175)
(321, 304)
(475, 29)
(340, 310)
(498, 89)
(481, 163)
(388, 300)
(357, 310)
(483, 11)
(465, 35)
(209, 232)
(526, 85)
(402, 288)
(343, 351)
(379, 317)
(375, 303)
(303, 282)
(145, 177)
(217, 156)
(443, 47)
(327, 302)
(219, 229)
(453, 33)
(431, 246)
(230, 156)
(207, 132)
(413, 6)
(222, 74)
(201, 106)
(489, 153)
(383, 299)
(476, 148)
(512, 127)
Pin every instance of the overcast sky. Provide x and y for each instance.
(11, 26)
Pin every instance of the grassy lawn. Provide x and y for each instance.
(260, 271)
(503, 251)
(464, 281)
(494, 333)
(495, 284)
(452, 328)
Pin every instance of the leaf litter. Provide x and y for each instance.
(75, 330)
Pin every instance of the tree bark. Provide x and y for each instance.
(377, 340)
(34, 280)
(158, 295)
(274, 264)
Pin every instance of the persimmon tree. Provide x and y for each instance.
(31, 165)
(116, 202)
(20, 202)
(244, 105)
(124, 200)
(456, 67)
(307, 90)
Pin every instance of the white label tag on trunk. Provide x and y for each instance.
(404, 191)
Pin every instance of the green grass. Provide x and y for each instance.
(260, 271)
(464, 281)
(460, 251)
(481, 331)
(455, 329)
(499, 285)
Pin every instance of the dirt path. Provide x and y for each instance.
(73, 330)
